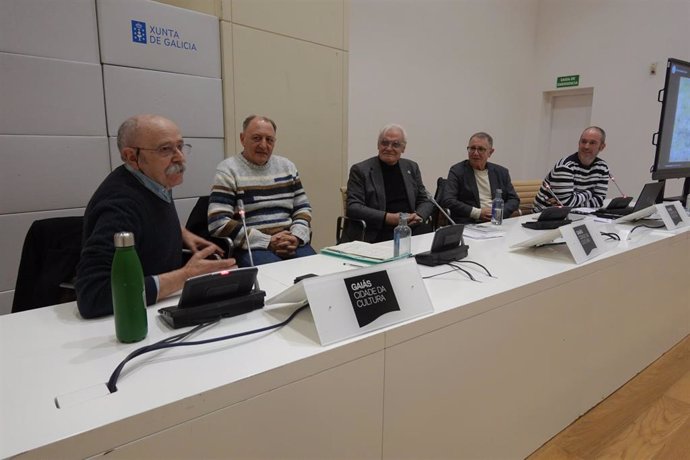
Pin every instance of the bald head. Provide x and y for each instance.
(131, 129)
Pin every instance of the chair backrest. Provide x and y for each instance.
(437, 218)
(346, 228)
(527, 190)
(49, 257)
(343, 196)
(197, 222)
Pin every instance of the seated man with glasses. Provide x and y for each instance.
(381, 188)
(472, 184)
(137, 197)
(277, 210)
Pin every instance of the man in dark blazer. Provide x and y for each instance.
(472, 184)
(381, 188)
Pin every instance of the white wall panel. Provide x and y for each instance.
(14, 228)
(194, 103)
(50, 172)
(318, 21)
(203, 6)
(201, 165)
(151, 35)
(428, 69)
(49, 96)
(64, 29)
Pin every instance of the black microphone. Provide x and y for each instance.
(431, 198)
(548, 187)
(240, 211)
(616, 184)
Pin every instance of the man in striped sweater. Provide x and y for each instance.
(578, 180)
(277, 210)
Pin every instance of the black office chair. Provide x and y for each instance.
(197, 223)
(346, 228)
(48, 263)
(438, 220)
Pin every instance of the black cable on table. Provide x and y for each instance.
(176, 341)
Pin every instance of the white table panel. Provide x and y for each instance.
(502, 364)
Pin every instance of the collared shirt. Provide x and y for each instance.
(157, 189)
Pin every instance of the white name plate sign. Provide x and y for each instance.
(583, 239)
(350, 303)
(673, 215)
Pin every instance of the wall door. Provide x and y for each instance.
(570, 113)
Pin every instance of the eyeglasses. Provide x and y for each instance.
(166, 151)
(394, 144)
(476, 149)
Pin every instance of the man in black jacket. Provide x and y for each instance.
(381, 188)
(472, 184)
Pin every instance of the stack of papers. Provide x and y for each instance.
(361, 251)
(483, 232)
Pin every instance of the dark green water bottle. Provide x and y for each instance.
(129, 298)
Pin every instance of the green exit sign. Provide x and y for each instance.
(568, 80)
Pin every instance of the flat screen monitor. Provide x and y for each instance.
(672, 159)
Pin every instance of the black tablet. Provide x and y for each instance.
(550, 218)
(221, 285)
(447, 237)
(554, 213)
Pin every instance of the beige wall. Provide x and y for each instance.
(288, 60)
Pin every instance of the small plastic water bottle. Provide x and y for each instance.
(402, 238)
(127, 284)
(497, 208)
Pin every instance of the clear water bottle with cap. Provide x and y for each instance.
(497, 208)
(129, 297)
(402, 238)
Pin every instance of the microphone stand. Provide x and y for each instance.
(548, 187)
(616, 184)
(431, 198)
(240, 211)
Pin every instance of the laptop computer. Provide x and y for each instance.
(646, 199)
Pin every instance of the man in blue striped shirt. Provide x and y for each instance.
(578, 180)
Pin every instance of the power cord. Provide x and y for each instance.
(611, 235)
(478, 264)
(439, 274)
(176, 341)
(648, 226)
(457, 268)
(466, 272)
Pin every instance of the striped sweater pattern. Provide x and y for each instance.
(273, 197)
(574, 184)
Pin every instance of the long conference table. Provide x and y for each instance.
(500, 366)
